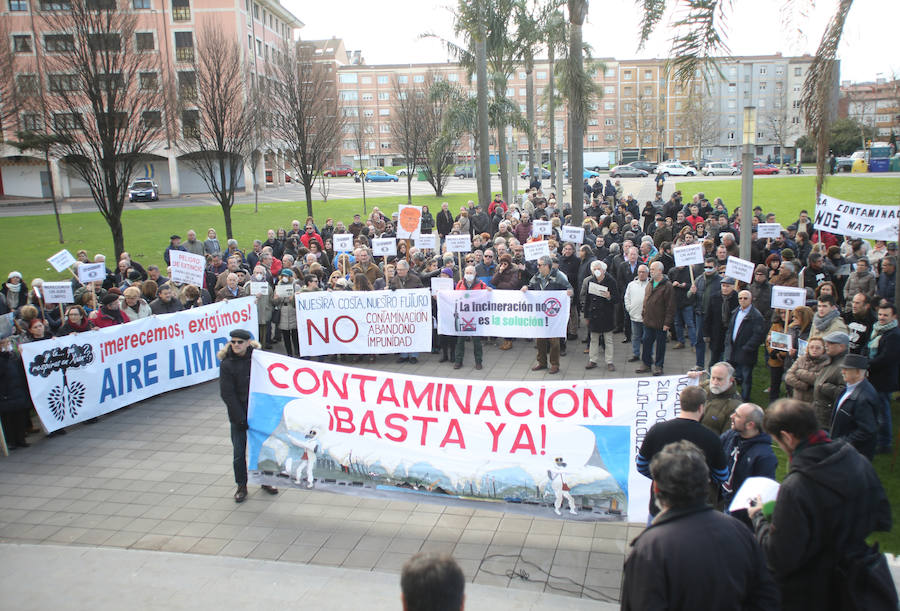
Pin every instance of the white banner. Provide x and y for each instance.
(384, 247)
(89, 272)
(739, 269)
(503, 313)
(857, 220)
(536, 250)
(768, 230)
(342, 242)
(691, 254)
(364, 322)
(78, 377)
(368, 432)
(458, 243)
(572, 234)
(61, 260)
(541, 228)
(425, 241)
(787, 297)
(187, 268)
(58, 292)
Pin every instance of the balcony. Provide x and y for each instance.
(184, 54)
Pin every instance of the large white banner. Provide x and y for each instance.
(857, 220)
(524, 447)
(78, 377)
(503, 313)
(364, 322)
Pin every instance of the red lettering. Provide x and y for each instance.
(343, 416)
(401, 431)
(327, 377)
(487, 402)
(589, 396)
(310, 327)
(495, 434)
(411, 398)
(334, 329)
(362, 383)
(387, 393)
(457, 439)
(509, 396)
(424, 420)
(524, 440)
(565, 392)
(300, 389)
(272, 379)
(368, 425)
(463, 407)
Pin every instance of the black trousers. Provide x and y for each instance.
(15, 424)
(239, 444)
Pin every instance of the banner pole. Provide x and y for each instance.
(691, 270)
(62, 314)
(74, 275)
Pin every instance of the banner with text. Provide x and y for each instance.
(558, 445)
(78, 377)
(364, 322)
(503, 313)
(857, 220)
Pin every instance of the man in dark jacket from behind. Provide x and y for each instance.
(691, 556)
(234, 386)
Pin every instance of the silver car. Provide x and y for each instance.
(719, 168)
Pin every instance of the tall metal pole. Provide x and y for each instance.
(747, 181)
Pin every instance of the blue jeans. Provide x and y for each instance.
(409, 355)
(884, 421)
(743, 374)
(684, 317)
(637, 336)
(699, 345)
(658, 337)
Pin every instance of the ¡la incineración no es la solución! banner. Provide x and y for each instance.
(479, 440)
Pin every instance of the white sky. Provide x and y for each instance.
(388, 32)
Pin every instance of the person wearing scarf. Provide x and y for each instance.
(109, 313)
(884, 354)
(15, 291)
(76, 322)
(827, 318)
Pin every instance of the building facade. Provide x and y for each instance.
(874, 104)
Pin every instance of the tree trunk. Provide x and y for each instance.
(53, 196)
(118, 234)
(226, 212)
(577, 10)
(484, 156)
(551, 117)
(307, 188)
(529, 113)
(409, 185)
(502, 160)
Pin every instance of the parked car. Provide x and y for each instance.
(143, 189)
(764, 168)
(627, 170)
(643, 164)
(673, 168)
(339, 170)
(545, 173)
(380, 176)
(587, 174)
(464, 171)
(416, 170)
(719, 168)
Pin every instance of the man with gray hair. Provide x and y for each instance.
(688, 539)
(749, 452)
(659, 317)
(599, 296)
(548, 279)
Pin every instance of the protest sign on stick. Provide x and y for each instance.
(739, 269)
(768, 230)
(536, 250)
(62, 260)
(692, 254)
(572, 234)
(342, 242)
(187, 268)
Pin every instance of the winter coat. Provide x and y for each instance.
(755, 458)
(762, 299)
(211, 246)
(634, 299)
(801, 377)
(659, 305)
(826, 391)
(718, 408)
(234, 382)
(600, 311)
(427, 224)
(288, 319)
(837, 324)
(14, 394)
(509, 279)
(411, 281)
(465, 225)
(884, 365)
(855, 420)
(444, 222)
(158, 306)
(522, 232)
(101, 318)
(776, 357)
(142, 311)
(481, 222)
(860, 283)
(264, 304)
(886, 286)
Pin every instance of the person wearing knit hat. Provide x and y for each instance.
(109, 314)
(15, 291)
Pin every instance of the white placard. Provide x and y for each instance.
(856, 220)
(89, 272)
(780, 341)
(571, 234)
(788, 297)
(441, 284)
(187, 268)
(768, 230)
(801, 347)
(536, 250)
(458, 243)
(740, 269)
(425, 241)
(384, 247)
(598, 289)
(691, 254)
(58, 292)
(259, 288)
(752, 488)
(342, 242)
(61, 260)
(284, 290)
(541, 228)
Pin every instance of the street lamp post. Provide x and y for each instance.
(749, 141)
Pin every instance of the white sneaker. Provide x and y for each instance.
(573, 512)
(309, 484)
(558, 512)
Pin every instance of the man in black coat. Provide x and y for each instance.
(625, 273)
(855, 412)
(884, 374)
(234, 387)
(749, 452)
(444, 220)
(691, 556)
(860, 320)
(600, 296)
(746, 331)
(829, 502)
(718, 316)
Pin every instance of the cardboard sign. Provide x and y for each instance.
(458, 243)
(259, 288)
(342, 242)
(58, 292)
(598, 289)
(187, 268)
(536, 250)
(788, 297)
(425, 241)
(801, 347)
(384, 247)
(688, 255)
(768, 230)
(62, 260)
(409, 220)
(572, 234)
(780, 341)
(89, 272)
(441, 284)
(541, 228)
(284, 290)
(740, 269)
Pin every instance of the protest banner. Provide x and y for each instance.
(62, 260)
(867, 221)
(572, 234)
(187, 268)
(788, 298)
(458, 243)
(541, 228)
(768, 230)
(342, 242)
(78, 377)
(459, 441)
(536, 250)
(441, 283)
(384, 247)
(58, 292)
(740, 269)
(503, 313)
(90, 272)
(364, 322)
(409, 220)
(691, 254)
(425, 241)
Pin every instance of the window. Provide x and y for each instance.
(627, 139)
(541, 75)
(763, 71)
(540, 91)
(104, 42)
(151, 119)
(610, 72)
(382, 80)
(190, 123)
(522, 107)
(111, 82)
(62, 82)
(184, 46)
(256, 12)
(523, 91)
(349, 144)
(144, 41)
(649, 91)
(18, 5)
(779, 70)
(100, 5)
(366, 80)
(368, 113)
(384, 128)
(510, 92)
(32, 122)
(732, 87)
(798, 71)
(149, 81)
(678, 105)
(591, 138)
(626, 76)
(385, 145)
(608, 137)
(55, 5)
(384, 95)
(762, 102)
(384, 112)
(187, 85)
(349, 95)
(259, 48)
(367, 97)
(26, 84)
(181, 10)
(348, 78)
(139, 4)
(626, 123)
(63, 121)
(22, 43)
(628, 106)
(58, 43)
(403, 79)
(732, 104)
(609, 105)
(795, 120)
(453, 77)
(763, 85)
(732, 121)
(350, 112)
(401, 95)
(609, 122)
(648, 75)
(593, 122)
(419, 78)
(522, 75)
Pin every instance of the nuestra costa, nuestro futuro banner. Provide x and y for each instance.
(542, 448)
(78, 377)
(503, 313)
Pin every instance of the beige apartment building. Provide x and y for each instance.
(874, 104)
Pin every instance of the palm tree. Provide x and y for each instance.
(555, 38)
(577, 96)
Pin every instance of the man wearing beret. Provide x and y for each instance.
(855, 413)
(234, 386)
(830, 382)
(174, 244)
(109, 313)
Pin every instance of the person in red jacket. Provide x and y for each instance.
(109, 313)
(311, 235)
(470, 282)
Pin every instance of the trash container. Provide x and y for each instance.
(895, 163)
(880, 165)
(859, 165)
(422, 174)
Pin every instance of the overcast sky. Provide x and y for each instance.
(388, 32)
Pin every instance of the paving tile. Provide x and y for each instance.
(151, 542)
(299, 553)
(575, 543)
(179, 543)
(402, 545)
(122, 538)
(606, 561)
(361, 559)
(392, 562)
(373, 543)
(239, 548)
(329, 556)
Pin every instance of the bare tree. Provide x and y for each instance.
(106, 103)
(360, 129)
(698, 122)
(777, 121)
(215, 116)
(407, 129)
(442, 139)
(258, 117)
(305, 114)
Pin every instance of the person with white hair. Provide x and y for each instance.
(548, 279)
(599, 296)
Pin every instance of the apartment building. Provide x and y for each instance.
(875, 104)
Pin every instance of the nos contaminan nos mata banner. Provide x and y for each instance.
(343, 429)
(503, 313)
(78, 377)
